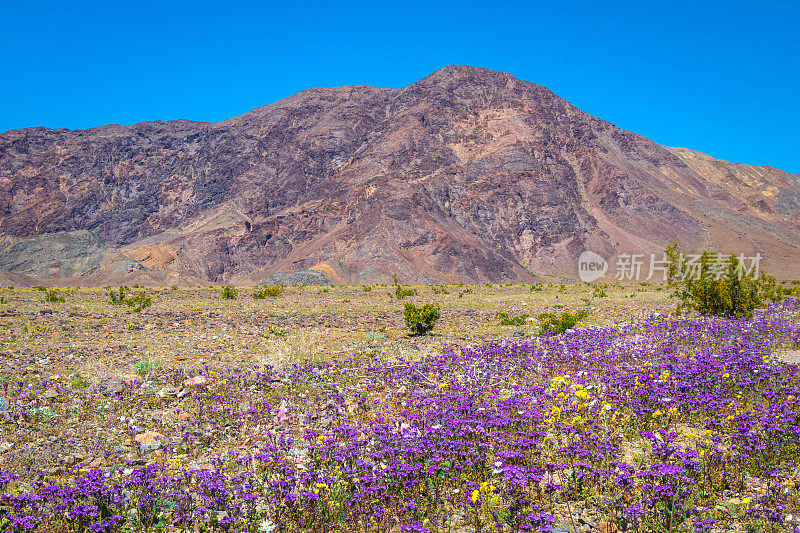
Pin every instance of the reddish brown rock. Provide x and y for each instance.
(468, 174)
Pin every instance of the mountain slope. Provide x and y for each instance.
(468, 174)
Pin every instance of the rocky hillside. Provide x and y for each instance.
(468, 174)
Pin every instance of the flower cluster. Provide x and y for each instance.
(655, 423)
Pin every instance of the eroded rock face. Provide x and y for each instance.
(468, 174)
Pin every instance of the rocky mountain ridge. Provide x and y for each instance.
(467, 175)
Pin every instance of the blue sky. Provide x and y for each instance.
(719, 77)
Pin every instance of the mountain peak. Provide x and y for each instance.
(467, 174)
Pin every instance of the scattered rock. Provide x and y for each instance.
(166, 391)
(301, 277)
(607, 527)
(109, 385)
(3, 405)
(197, 381)
(149, 441)
(281, 416)
(50, 393)
(5, 446)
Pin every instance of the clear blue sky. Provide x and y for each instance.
(719, 77)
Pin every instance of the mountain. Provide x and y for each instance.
(467, 175)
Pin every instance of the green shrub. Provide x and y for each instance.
(229, 293)
(366, 288)
(139, 302)
(174, 288)
(2, 300)
(400, 292)
(421, 320)
(599, 290)
(440, 290)
(536, 287)
(720, 286)
(268, 290)
(53, 296)
(79, 382)
(554, 323)
(506, 320)
(118, 298)
(145, 367)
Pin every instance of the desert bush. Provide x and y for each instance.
(139, 302)
(506, 320)
(555, 323)
(717, 285)
(439, 290)
(536, 287)
(118, 297)
(366, 288)
(400, 292)
(145, 367)
(229, 293)
(421, 320)
(53, 296)
(174, 288)
(599, 290)
(268, 290)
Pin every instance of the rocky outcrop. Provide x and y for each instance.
(302, 277)
(468, 174)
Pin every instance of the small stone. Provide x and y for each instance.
(184, 416)
(182, 392)
(3, 405)
(111, 385)
(148, 437)
(165, 391)
(5, 446)
(197, 381)
(50, 393)
(607, 527)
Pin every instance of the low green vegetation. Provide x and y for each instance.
(421, 320)
(506, 320)
(266, 291)
(552, 323)
(401, 293)
(229, 293)
(53, 296)
(143, 368)
(136, 303)
(717, 284)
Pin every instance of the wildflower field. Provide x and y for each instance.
(194, 415)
